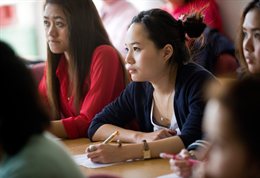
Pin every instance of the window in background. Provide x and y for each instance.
(21, 27)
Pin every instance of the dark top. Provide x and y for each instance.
(136, 100)
(215, 44)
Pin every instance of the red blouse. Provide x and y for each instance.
(106, 83)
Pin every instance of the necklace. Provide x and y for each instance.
(163, 109)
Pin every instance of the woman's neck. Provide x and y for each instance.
(166, 83)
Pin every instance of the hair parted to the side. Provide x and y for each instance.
(255, 4)
(163, 29)
(86, 32)
(22, 114)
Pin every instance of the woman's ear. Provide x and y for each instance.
(167, 52)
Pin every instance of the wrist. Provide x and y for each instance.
(137, 137)
(128, 153)
(146, 150)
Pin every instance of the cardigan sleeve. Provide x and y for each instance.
(106, 83)
(119, 112)
(193, 107)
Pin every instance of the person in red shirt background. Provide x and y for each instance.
(208, 8)
(213, 49)
(84, 72)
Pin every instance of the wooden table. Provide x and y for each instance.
(143, 168)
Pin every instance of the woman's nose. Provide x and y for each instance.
(129, 58)
(52, 31)
(248, 44)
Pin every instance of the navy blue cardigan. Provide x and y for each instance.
(136, 100)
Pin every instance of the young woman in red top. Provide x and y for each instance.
(84, 72)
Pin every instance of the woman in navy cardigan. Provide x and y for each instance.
(165, 98)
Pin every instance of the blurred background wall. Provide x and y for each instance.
(21, 23)
(231, 11)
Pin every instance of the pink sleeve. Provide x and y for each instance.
(106, 83)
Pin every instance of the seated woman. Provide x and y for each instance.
(231, 153)
(165, 97)
(248, 43)
(26, 148)
(248, 50)
(84, 72)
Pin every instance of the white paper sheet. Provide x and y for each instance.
(83, 160)
(169, 176)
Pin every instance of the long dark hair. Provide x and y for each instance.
(22, 114)
(86, 32)
(239, 42)
(163, 29)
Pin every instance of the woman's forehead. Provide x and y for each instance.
(54, 11)
(136, 33)
(251, 20)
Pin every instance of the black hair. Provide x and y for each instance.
(250, 6)
(163, 29)
(22, 114)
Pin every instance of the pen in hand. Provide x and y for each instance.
(108, 140)
(111, 137)
(175, 157)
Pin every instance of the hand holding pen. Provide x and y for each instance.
(92, 148)
(181, 164)
(104, 152)
(179, 158)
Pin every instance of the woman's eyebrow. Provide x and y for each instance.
(55, 17)
(252, 29)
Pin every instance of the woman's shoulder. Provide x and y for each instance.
(193, 68)
(45, 145)
(104, 48)
(108, 52)
(54, 151)
(192, 72)
(39, 152)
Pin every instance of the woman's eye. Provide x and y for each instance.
(46, 23)
(126, 49)
(257, 36)
(59, 24)
(136, 49)
(244, 35)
